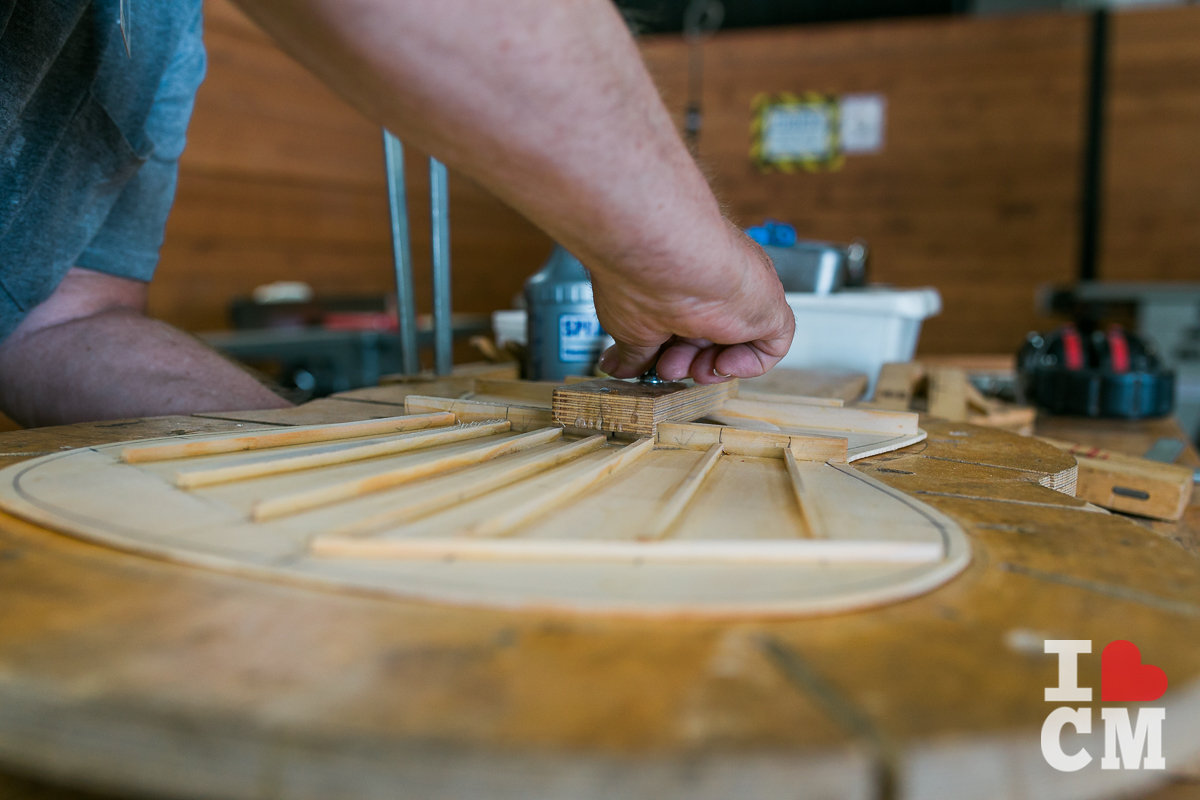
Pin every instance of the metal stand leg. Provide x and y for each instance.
(439, 200)
(393, 154)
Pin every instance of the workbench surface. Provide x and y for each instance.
(124, 673)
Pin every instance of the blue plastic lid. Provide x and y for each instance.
(773, 232)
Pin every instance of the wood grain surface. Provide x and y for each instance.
(125, 673)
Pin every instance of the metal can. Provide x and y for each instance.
(564, 336)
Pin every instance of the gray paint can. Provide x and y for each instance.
(564, 336)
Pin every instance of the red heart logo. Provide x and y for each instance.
(1125, 679)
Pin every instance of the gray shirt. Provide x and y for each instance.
(90, 138)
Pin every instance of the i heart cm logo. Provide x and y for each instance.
(1125, 679)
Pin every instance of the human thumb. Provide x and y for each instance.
(628, 360)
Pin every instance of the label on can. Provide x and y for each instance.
(579, 337)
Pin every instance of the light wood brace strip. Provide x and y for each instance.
(683, 494)
(741, 442)
(192, 479)
(671, 551)
(283, 438)
(505, 523)
(273, 508)
(809, 508)
(456, 494)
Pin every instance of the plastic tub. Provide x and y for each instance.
(859, 329)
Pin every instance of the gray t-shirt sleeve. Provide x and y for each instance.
(128, 243)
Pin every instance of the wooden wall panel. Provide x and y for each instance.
(1152, 166)
(282, 180)
(975, 191)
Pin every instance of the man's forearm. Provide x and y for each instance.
(117, 364)
(548, 105)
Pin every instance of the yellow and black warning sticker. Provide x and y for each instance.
(796, 132)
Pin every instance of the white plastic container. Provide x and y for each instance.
(509, 326)
(859, 329)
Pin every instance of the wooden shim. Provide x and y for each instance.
(683, 494)
(799, 399)
(522, 417)
(897, 384)
(275, 507)
(1130, 484)
(454, 495)
(975, 399)
(283, 438)
(633, 408)
(276, 465)
(506, 522)
(736, 441)
(948, 393)
(802, 416)
(845, 384)
(1007, 416)
(807, 503)
(537, 393)
(670, 551)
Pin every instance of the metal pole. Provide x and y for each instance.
(406, 311)
(439, 202)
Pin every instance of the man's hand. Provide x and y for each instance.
(724, 316)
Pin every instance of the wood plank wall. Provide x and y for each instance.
(1151, 200)
(976, 190)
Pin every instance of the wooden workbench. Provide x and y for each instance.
(123, 673)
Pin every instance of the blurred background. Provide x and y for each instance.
(1016, 148)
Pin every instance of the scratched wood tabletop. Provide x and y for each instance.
(125, 674)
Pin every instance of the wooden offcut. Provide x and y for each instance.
(1130, 484)
(635, 408)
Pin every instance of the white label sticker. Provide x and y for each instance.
(580, 337)
(862, 123)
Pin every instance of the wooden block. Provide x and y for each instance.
(632, 408)
(898, 383)
(1130, 484)
(948, 393)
